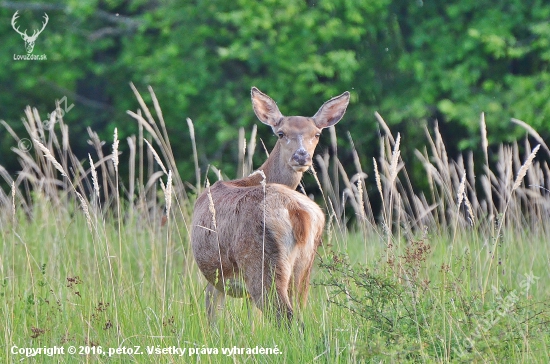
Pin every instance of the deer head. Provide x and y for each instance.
(29, 41)
(298, 135)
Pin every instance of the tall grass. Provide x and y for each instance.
(88, 259)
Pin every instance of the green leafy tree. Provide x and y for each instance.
(412, 61)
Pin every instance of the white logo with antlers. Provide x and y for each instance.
(29, 40)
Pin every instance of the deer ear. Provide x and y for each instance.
(332, 111)
(265, 108)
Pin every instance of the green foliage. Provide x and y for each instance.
(415, 311)
(468, 57)
(411, 61)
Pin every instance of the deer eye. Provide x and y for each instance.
(317, 135)
(280, 135)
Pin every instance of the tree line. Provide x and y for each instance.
(413, 62)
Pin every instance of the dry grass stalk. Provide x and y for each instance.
(115, 150)
(356, 160)
(156, 156)
(377, 178)
(165, 149)
(241, 169)
(347, 182)
(384, 126)
(461, 189)
(51, 158)
(395, 160)
(160, 136)
(150, 195)
(132, 171)
(335, 170)
(462, 196)
(65, 135)
(94, 176)
(333, 140)
(141, 174)
(471, 178)
(84, 207)
(117, 199)
(98, 146)
(152, 180)
(217, 172)
(10, 130)
(162, 186)
(327, 201)
(470, 209)
(252, 146)
(360, 198)
(265, 149)
(195, 155)
(142, 104)
(58, 166)
(13, 200)
(525, 167)
(363, 176)
(484, 141)
(168, 194)
(326, 186)
(533, 133)
(158, 110)
(144, 124)
(211, 206)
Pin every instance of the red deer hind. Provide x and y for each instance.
(245, 237)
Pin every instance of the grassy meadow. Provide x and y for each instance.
(96, 263)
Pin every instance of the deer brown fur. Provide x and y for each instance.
(251, 240)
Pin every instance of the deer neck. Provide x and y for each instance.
(277, 170)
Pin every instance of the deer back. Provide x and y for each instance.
(287, 223)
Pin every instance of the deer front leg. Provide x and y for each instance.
(214, 300)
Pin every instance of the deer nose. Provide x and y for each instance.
(301, 156)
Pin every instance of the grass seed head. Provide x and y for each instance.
(168, 193)
(94, 176)
(115, 150)
(525, 167)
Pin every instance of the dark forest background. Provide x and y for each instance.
(415, 62)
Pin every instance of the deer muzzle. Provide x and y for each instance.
(302, 158)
